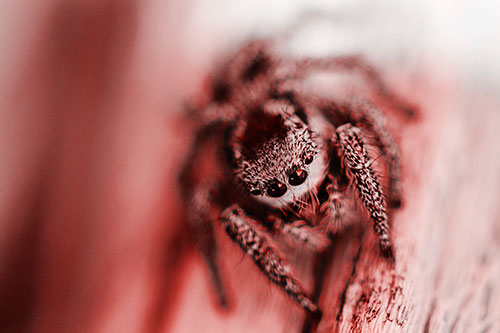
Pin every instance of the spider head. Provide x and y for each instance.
(278, 156)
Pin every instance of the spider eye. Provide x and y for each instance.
(276, 189)
(309, 159)
(297, 177)
(255, 192)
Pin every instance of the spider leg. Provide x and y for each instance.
(198, 190)
(357, 63)
(200, 223)
(365, 114)
(352, 151)
(299, 233)
(238, 226)
(370, 117)
(209, 251)
(334, 208)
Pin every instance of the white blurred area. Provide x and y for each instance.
(461, 34)
(91, 142)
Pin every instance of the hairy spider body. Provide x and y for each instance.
(271, 158)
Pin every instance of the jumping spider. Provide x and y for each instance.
(271, 159)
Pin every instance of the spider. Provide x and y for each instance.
(271, 159)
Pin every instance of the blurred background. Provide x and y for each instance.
(92, 139)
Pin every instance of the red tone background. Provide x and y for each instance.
(91, 140)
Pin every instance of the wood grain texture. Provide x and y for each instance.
(91, 144)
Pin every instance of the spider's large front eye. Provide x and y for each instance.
(297, 177)
(276, 189)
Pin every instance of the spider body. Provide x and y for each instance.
(271, 159)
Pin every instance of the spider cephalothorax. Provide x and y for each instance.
(275, 155)
(270, 153)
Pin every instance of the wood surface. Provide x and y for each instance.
(92, 140)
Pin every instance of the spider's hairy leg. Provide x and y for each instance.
(299, 233)
(198, 190)
(370, 117)
(358, 63)
(238, 226)
(352, 151)
(200, 223)
(334, 208)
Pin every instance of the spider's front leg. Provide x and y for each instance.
(370, 117)
(357, 164)
(299, 233)
(238, 226)
(334, 208)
